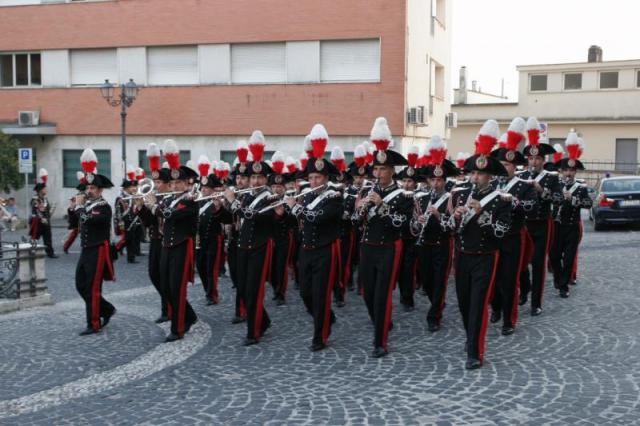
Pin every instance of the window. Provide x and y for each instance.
(20, 70)
(538, 83)
(94, 66)
(144, 163)
(637, 78)
(258, 63)
(627, 155)
(609, 80)
(573, 81)
(71, 165)
(172, 65)
(350, 60)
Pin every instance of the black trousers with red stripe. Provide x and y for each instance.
(563, 254)
(534, 282)
(377, 274)
(475, 277)
(435, 265)
(89, 286)
(279, 277)
(153, 267)
(507, 289)
(175, 273)
(253, 269)
(318, 269)
(39, 229)
(407, 272)
(208, 262)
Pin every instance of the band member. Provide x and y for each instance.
(319, 212)
(211, 220)
(126, 221)
(149, 209)
(434, 245)
(568, 221)
(359, 171)
(512, 248)
(255, 246)
(240, 175)
(383, 213)
(73, 222)
(94, 264)
(283, 233)
(538, 219)
(480, 217)
(40, 223)
(180, 214)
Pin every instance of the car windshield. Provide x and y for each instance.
(621, 185)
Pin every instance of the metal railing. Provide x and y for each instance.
(21, 275)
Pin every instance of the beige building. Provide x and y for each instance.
(599, 99)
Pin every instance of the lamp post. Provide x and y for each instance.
(128, 94)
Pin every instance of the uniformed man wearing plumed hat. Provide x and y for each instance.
(40, 222)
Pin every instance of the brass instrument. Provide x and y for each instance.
(295, 197)
(145, 187)
(221, 193)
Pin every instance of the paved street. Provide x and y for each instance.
(578, 363)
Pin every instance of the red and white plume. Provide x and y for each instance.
(277, 162)
(242, 151)
(291, 165)
(171, 154)
(425, 155)
(438, 150)
(515, 133)
(43, 175)
(381, 134)
(140, 174)
(131, 172)
(461, 158)
(304, 159)
(256, 145)
(370, 151)
(360, 156)
(487, 137)
(337, 158)
(582, 145)
(307, 146)
(319, 138)
(153, 156)
(573, 146)
(204, 165)
(222, 169)
(81, 177)
(412, 156)
(533, 131)
(557, 156)
(502, 142)
(88, 160)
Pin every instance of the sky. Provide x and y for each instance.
(491, 37)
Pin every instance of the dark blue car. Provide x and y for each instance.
(617, 202)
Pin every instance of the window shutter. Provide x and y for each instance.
(350, 60)
(258, 63)
(173, 65)
(93, 66)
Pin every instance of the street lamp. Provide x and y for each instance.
(128, 93)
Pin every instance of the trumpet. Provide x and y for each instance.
(295, 197)
(221, 193)
(145, 188)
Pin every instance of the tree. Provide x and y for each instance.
(10, 177)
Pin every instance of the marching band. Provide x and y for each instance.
(493, 219)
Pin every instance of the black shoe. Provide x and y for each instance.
(332, 318)
(495, 317)
(523, 299)
(317, 347)
(237, 320)
(280, 302)
(564, 294)
(211, 302)
(408, 308)
(536, 311)
(473, 364)
(106, 319)
(390, 325)
(172, 338)
(340, 304)
(275, 297)
(249, 342)
(265, 327)
(161, 319)
(52, 256)
(87, 331)
(379, 352)
(573, 283)
(188, 327)
(507, 331)
(432, 327)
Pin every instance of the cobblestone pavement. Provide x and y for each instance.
(577, 363)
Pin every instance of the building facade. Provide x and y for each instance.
(598, 99)
(213, 71)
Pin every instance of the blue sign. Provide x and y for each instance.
(25, 154)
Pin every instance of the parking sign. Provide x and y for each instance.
(25, 158)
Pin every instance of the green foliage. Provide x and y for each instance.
(10, 177)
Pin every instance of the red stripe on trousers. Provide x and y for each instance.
(216, 269)
(70, 239)
(96, 291)
(257, 326)
(394, 273)
(187, 273)
(34, 228)
(446, 278)
(574, 271)
(485, 308)
(122, 242)
(347, 268)
(335, 260)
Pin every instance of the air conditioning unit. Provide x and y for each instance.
(415, 115)
(28, 118)
(452, 120)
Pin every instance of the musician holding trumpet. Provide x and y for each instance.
(41, 210)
